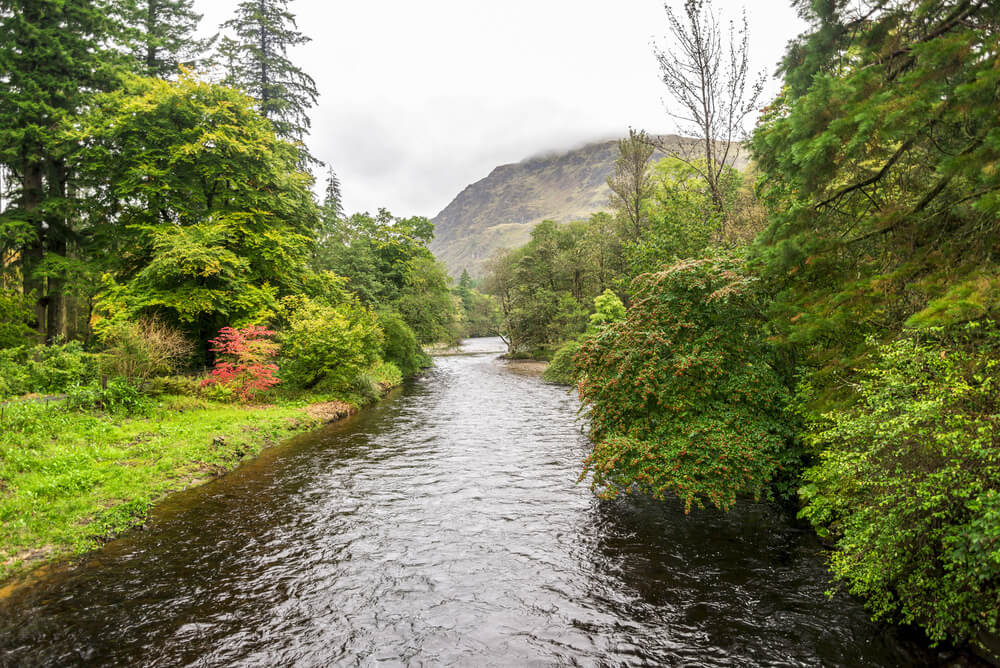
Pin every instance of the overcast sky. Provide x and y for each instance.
(420, 99)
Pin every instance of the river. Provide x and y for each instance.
(445, 526)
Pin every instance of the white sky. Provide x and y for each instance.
(420, 99)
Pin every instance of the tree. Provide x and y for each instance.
(629, 183)
(908, 483)
(878, 163)
(204, 213)
(162, 37)
(684, 394)
(257, 62)
(388, 265)
(333, 208)
(54, 54)
(707, 73)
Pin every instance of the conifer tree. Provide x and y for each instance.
(879, 161)
(53, 55)
(257, 61)
(163, 36)
(333, 208)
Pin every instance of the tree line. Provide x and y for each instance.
(152, 179)
(819, 327)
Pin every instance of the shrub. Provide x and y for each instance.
(120, 396)
(562, 369)
(45, 369)
(329, 345)
(245, 361)
(386, 374)
(608, 308)
(683, 395)
(400, 346)
(366, 386)
(180, 386)
(908, 483)
(139, 350)
(15, 314)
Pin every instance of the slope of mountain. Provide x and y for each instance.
(500, 210)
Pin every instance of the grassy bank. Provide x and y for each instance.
(71, 480)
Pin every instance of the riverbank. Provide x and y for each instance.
(71, 481)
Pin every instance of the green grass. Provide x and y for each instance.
(70, 481)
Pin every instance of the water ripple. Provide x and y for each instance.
(445, 527)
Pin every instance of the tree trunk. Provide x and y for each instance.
(55, 321)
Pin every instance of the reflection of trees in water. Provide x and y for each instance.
(747, 584)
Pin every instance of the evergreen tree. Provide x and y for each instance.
(333, 208)
(163, 36)
(879, 163)
(257, 62)
(54, 54)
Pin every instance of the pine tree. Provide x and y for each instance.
(333, 208)
(257, 62)
(53, 55)
(163, 37)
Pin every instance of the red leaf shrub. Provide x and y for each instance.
(245, 361)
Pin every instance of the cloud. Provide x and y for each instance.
(417, 100)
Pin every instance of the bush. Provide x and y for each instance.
(908, 483)
(45, 369)
(180, 386)
(120, 396)
(562, 370)
(329, 345)
(366, 386)
(683, 395)
(400, 346)
(245, 364)
(140, 350)
(15, 314)
(386, 374)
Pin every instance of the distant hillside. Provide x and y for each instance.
(501, 210)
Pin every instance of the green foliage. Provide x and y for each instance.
(682, 218)
(116, 520)
(177, 386)
(386, 374)
(15, 314)
(205, 214)
(562, 369)
(45, 369)
(139, 350)
(161, 36)
(908, 482)
(683, 394)
(400, 346)
(388, 265)
(119, 396)
(878, 162)
(328, 346)
(608, 308)
(54, 56)
(544, 288)
(480, 313)
(256, 59)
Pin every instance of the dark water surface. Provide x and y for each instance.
(445, 527)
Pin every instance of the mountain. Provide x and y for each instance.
(500, 210)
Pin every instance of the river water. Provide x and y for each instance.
(445, 527)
